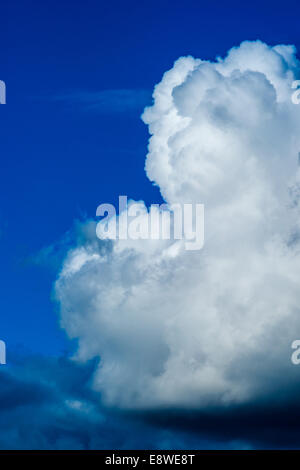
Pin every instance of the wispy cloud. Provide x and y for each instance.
(109, 101)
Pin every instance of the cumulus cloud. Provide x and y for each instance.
(211, 328)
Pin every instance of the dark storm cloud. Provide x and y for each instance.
(271, 423)
(48, 403)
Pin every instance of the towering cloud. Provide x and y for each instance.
(212, 327)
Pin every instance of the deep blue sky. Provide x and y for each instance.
(60, 156)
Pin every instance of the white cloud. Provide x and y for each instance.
(214, 326)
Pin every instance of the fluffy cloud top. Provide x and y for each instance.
(214, 327)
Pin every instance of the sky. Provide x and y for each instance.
(78, 77)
